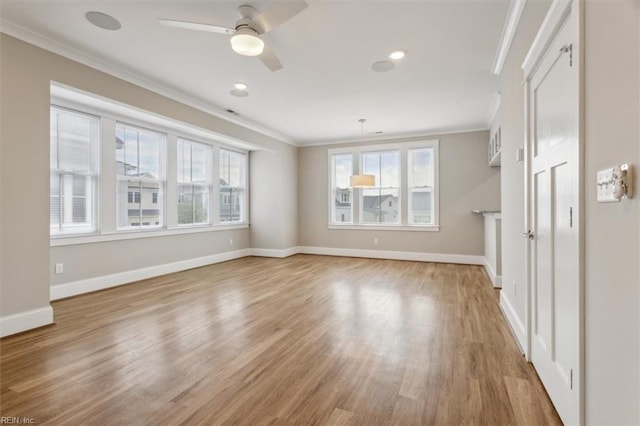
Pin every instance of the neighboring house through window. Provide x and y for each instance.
(140, 173)
(405, 190)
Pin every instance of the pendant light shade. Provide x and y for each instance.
(363, 181)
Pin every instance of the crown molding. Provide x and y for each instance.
(396, 137)
(508, 32)
(76, 55)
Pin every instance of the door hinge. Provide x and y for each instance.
(570, 217)
(571, 379)
(568, 48)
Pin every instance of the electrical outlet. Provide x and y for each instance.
(59, 268)
(230, 241)
(375, 240)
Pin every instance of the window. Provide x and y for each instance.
(380, 204)
(340, 202)
(74, 172)
(160, 177)
(233, 171)
(405, 191)
(140, 173)
(194, 182)
(420, 177)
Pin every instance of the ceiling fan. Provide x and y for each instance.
(245, 36)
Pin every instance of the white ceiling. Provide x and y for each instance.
(444, 83)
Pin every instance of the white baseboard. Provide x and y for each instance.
(23, 321)
(496, 280)
(106, 281)
(275, 252)
(395, 255)
(517, 327)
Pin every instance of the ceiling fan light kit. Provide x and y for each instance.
(247, 43)
(245, 36)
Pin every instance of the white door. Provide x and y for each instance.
(553, 204)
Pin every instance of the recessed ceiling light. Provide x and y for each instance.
(398, 54)
(239, 93)
(382, 66)
(240, 86)
(104, 21)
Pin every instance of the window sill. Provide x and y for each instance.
(411, 228)
(132, 235)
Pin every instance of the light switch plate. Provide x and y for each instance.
(606, 186)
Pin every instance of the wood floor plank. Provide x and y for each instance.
(295, 341)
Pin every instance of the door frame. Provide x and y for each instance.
(559, 12)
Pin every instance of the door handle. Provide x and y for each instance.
(528, 235)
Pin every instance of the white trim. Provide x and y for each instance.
(462, 259)
(85, 102)
(421, 135)
(27, 320)
(282, 253)
(512, 319)
(134, 235)
(496, 280)
(62, 291)
(373, 227)
(145, 82)
(508, 32)
(556, 16)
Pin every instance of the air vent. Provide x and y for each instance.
(230, 111)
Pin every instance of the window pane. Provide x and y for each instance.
(343, 166)
(184, 162)
(342, 169)
(371, 165)
(185, 203)
(199, 163)
(194, 165)
(421, 207)
(149, 155)
(420, 179)
(380, 206)
(136, 206)
(54, 199)
(130, 152)
(420, 167)
(232, 171)
(342, 206)
(201, 204)
(73, 158)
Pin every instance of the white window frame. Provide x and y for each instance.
(70, 229)
(244, 188)
(380, 188)
(404, 224)
(332, 189)
(207, 184)
(160, 181)
(110, 113)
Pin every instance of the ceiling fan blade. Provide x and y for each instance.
(196, 26)
(269, 58)
(278, 13)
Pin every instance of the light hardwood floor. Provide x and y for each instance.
(302, 340)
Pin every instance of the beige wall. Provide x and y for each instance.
(274, 201)
(27, 259)
(512, 179)
(612, 286)
(466, 183)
